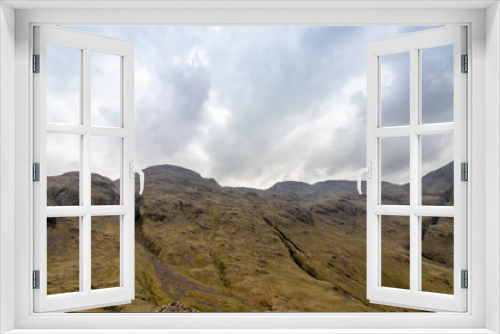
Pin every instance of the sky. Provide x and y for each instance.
(251, 106)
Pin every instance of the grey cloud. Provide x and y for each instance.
(351, 152)
(437, 84)
(107, 116)
(395, 89)
(436, 151)
(189, 84)
(270, 87)
(395, 156)
(63, 153)
(168, 120)
(63, 84)
(105, 155)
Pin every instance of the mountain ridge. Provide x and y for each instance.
(298, 247)
(444, 172)
(185, 176)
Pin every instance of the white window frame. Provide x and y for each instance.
(85, 298)
(413, 43)
(484, 146)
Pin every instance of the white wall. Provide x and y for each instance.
(492, 163)
(7, 160)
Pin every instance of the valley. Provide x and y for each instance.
(294, 247)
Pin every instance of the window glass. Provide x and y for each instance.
(395, 252)
(63, 169)
(105, 90)
(395, 170)
(395, 89)
(437, 169)
(437, 254)
(105, 252)
(437, 84)
(106, 164)
(63, 85)
(63, 255)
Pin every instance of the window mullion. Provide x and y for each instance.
(85, 159)
(414, 171)
(85, 231)
(85, 255)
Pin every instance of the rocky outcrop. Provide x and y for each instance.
(176, 306)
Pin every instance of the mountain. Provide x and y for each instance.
(437, 189)
(63, 190)
(292, 247)
(303, 189)
(436, 186)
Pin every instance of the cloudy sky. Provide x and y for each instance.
(251, 106)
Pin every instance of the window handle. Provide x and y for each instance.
(365, 170)
(141, 176)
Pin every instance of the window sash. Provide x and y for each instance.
(86, 298)
(414, 298)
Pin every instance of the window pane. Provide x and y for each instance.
(105, 90)
(63, 169)
(395, 252)
(105, 252)
(395, 89)
(437, 84)
(105, 166)
(395, 170)
(437, 169)
(63, 84)
(63, 255)
(437, 254)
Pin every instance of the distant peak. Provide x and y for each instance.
(444, 171)
(285, 186)
(170, 168)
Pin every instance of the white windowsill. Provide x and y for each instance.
(251, 331)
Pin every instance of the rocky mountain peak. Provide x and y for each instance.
(289, 186)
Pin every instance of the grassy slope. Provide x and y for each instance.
(221, 250)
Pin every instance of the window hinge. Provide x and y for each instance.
(36, 172)
(465, 279)
(464, 171)
(465, 64)
(36, 279)
(36, 63)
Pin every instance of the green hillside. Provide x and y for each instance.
(293, 247)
